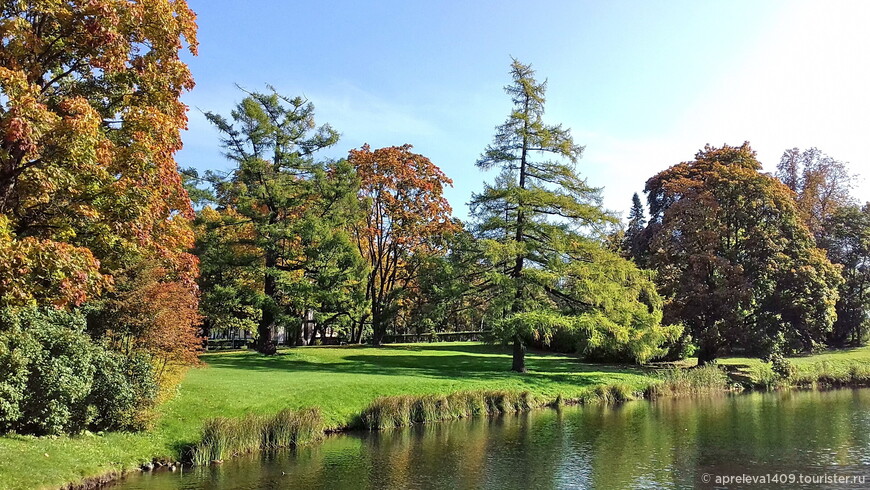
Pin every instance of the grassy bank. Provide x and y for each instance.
(242, 401)
(341, 382)
(830, 369)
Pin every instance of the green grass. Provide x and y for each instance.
(340, 381)
(410, 381)
(841, 356)
(829, 368)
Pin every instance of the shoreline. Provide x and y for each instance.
(599, 397)
(236, 385)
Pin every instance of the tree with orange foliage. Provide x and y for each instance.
(92, 208)
(152, 312)
(89, 122)
(406, 214)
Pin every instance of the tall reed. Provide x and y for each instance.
(225, 437)
(404, 410)
(685, 382)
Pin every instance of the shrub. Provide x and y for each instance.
(123, 391)
(763, 376)
(56, 379)
(781, 366)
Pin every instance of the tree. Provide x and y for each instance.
(632, 243)
(450, 294)
(538, 223)
(89, 122)
(847, 240)
(406, 212)
(733, 254)
(290, 213)
(821, 184)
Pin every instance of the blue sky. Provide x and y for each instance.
(643, 84)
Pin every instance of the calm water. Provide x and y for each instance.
(668, 443)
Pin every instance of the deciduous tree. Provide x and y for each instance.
(90, 117)
(821, 184)
(735, 257)
(406, 213)
(847, 240)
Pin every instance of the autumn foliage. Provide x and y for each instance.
(733, 254)
(90, 122)
(93, 214)
(405, 213)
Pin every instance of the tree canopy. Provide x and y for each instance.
(282, 218)
(735, 257)
(406, 214)
(90, 122)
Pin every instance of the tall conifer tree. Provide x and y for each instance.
(541, 224)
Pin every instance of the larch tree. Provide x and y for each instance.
(542, 227)
(406, 214)
(735, 257)
(294, 212)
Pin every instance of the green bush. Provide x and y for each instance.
(55, 379)
(781, 366)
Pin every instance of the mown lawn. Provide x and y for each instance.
(833, 361)
(340, 380)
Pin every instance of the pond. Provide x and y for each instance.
(793, 439)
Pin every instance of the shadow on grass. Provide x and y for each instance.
(442, 360)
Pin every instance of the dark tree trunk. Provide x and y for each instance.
(379, 330)
(519, 362)
(707, 352)
(519, 358)
(265, 344)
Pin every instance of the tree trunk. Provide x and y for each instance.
(707, 352)
(519, 362)
(379, 330)
(519, 359)
(264, 330)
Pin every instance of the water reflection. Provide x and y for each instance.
(663, 444)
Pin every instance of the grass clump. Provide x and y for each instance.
(610, 394)
(764, 377)
(404, 410)
(685, 382)
(224, 437)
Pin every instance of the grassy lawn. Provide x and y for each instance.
(342, 381)
(835, 361)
